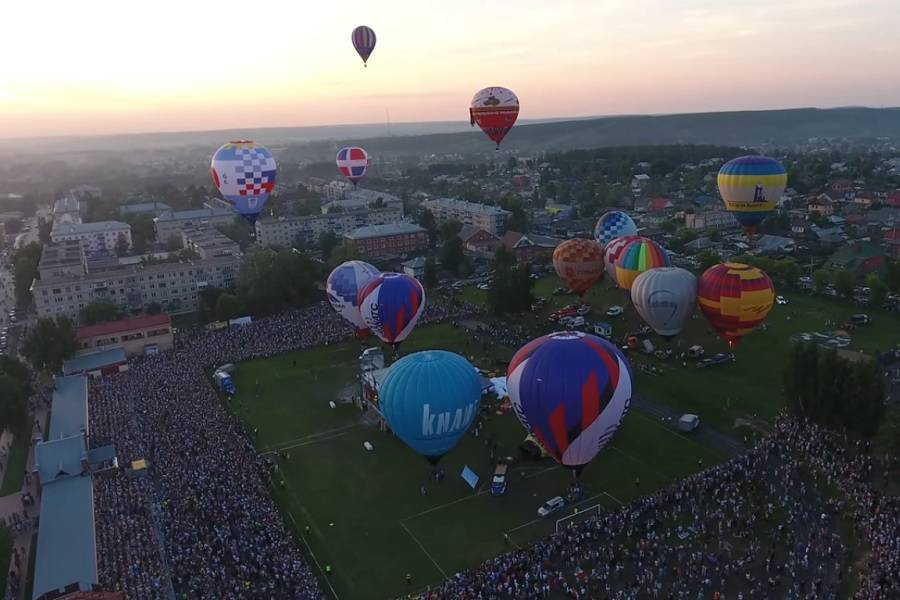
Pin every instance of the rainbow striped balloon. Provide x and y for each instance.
(639, 255)
(750, 186)
(735, 298)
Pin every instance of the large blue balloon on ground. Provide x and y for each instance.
(429, 399)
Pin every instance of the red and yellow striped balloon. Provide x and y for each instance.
(735, 298)
(579, 263)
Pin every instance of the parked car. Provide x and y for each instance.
(614, 311)
(498, 483)
(550, 506)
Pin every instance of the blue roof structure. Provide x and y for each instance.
(69, 411)
(93, 362)
(66, 545)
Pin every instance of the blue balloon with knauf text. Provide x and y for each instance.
(429, 399)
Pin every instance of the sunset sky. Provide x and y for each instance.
(105, 66)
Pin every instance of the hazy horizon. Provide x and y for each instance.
(111, 68)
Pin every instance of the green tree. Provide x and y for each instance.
(706, 259)
(451, 255)
(24, 263)
(99, 312)
(844, 283)
(430, 276)
(228, 306)
(877, 290)
(44, 228)
(50, 343)
(821, 280)
(122, 246)
(328, 241)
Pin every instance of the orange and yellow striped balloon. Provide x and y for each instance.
(735, 298)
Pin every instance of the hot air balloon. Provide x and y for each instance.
(664, 298)
(353, 163)
(612, 251)
(579, 263)
(391, 305)
(245, 174)
(735, 298)
(363, 39)
(750, 186)
(429, 399)
(639, 255)
(343, 287)
(570, 390)
(612, 225)
(494, 109)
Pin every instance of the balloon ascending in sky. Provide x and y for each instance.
(363, 39)
(245, 174)
(639, 255)
(665, 298)
(613, 224)
(343, 287)
(750, 186)
(735, 298)
(612, 251)
(429, 399)
(353, 163)
(391, 305)
(571, 391)
(495, 110)
(579, 263)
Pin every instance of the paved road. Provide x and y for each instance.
(704, 434)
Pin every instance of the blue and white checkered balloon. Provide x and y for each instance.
(612, 225)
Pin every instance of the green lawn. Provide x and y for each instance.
(366, 515)
(722, 393)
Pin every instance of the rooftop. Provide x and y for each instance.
(373, 231)
(130, 324)
(92, 362)
(69, 413)
(95, 227)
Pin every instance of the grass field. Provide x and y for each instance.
(366, 515)
(722, 393)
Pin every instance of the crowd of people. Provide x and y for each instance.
(755, 527)
(200, 522)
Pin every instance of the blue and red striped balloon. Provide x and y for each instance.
(391, 305)
(571, 391)
(363, 39)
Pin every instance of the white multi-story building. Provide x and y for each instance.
(94, 237)
(714, 219)
(492, 219)
(68, 281)
(295, 231)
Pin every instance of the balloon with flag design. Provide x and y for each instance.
(363, 39)
(429, 399)
(245, 173)
(579, 263)
(352, 162)
(735, 298)
(750, 187)
(613, 224)
(391, 305)
(665, 298)
(639, 255)
(612, 251)
(494, 110)
(571, 391)
(343, 286)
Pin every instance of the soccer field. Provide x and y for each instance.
(365, 513)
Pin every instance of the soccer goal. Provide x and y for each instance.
(578, 515)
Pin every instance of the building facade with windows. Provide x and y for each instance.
(294, 231)
(492, 219)
(384, 240)
(94, 237)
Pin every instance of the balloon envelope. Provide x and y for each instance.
(735, 298)
(352, 162)
(613, 224)
(639, 255)
(579, 263)
(612, 251)
(665, 298)
(750, 187)
(245, 174)
(343, 286)
(391, 305)
(363, 39)
(429, 399)
(571, 391)
(494, 110)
